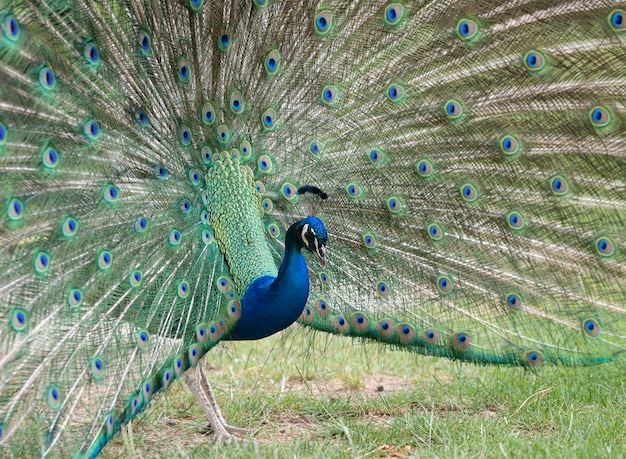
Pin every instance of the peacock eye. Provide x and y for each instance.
(310, 235)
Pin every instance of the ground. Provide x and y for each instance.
(313, 395)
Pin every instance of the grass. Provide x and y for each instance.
(319, 396)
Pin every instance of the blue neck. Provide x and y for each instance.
(271, 304)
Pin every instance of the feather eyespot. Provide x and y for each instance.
(143, 339)
(444, 284)
(382, 288)
(236, 103)
(466, 29)
(394, 14)
(193, 354)
(18, 319)
(135, 278)
(142, 118)
(289, 191)
(354, 190)
(376, 156)
(223, 284)
(533, 358)
(323, 22)
(96, 367)
(47, 80)
(515, 220)
(616, 20)
(453, 109)
(204, 217)
(424, 168)
(167, 378)
(207, 237)
(431, 336)
(91, 53)
(509, 145)
(600, 117)
(307, 315)
(534, 60)
(207, 114)
(183, 71)
(369, 240)
(267, 205)
(234, 310)
(324, 278)
(591, 328)
(224, 42)
(341, 324)
(468, 192)
(105, 260)
(75, 298)
(315, 148)
(604, 247)
(53, 397)
(145, 43)
(179, 365)
(559, 185)
(111, 194)
(215, 331)
(265, 164)
(3, 134)
(42, 262)
(91, 129)
(184, 134)
(273, 229)
(435, 232)
(268, 119)
(206, 155)
(360, 322)
(330, 95)
(386, 328)
(183, 289)
(174, 238)
(246, 149)
(194, 176)
(184, 206)
(461, 341)
(141, 224)
(201, 333)
(11, 28)
(394, 205)
(109, 423)
(15, 209)
(406, 333)
(134, 404)
(272, 62)
(50, 158)
(395, 93)
(322, 307)
(223, 134)
(514, 301)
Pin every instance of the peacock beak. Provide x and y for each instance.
(320, 254)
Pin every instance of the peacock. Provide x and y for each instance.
(446, 177)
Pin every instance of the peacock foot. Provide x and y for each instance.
(199, 385)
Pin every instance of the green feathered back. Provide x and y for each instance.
(473, 154)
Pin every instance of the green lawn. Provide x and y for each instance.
(314, 395)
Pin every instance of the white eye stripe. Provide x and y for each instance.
(305, 228)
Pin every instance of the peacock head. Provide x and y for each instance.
(314, 237)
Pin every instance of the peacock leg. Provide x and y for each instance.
(193, 378)
(206, 386)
